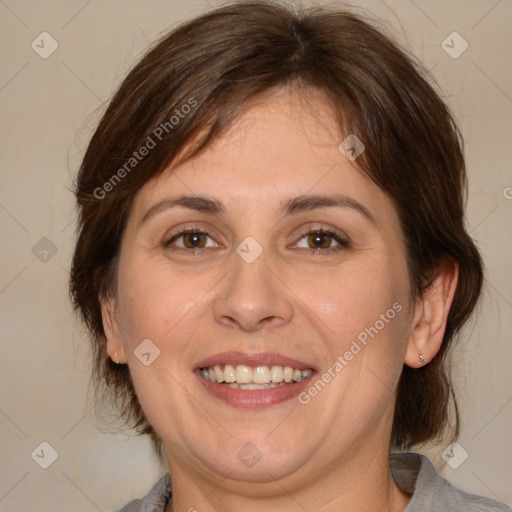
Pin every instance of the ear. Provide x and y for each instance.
(112, 329)
(431, 314)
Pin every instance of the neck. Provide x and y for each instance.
(359, 485)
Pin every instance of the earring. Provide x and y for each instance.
(117, 359)
(421, 358)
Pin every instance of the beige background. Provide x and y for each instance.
(48, 116)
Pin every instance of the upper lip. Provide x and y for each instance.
(252, 359)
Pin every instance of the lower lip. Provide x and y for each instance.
(254, 398)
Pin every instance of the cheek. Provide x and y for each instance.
(156, 304)
(154, 300)
(362, 310)
(355, 297)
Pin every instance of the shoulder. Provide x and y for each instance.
(154, 501)
(415, 474)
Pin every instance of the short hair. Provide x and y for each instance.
(215, 65)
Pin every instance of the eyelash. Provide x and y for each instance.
(338, 237)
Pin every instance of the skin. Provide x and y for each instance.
(295, 299)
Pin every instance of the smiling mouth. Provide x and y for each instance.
(252, 378)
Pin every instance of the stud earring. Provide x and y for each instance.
(421, 358)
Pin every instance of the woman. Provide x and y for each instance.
(273, 263)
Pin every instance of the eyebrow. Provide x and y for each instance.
(311, 202)
(290, 206)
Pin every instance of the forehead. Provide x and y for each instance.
(285, 144)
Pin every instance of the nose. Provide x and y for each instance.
(253, 297)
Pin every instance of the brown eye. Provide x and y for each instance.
(323, 241)
(190, 239)
(194, 240)
(320, 240)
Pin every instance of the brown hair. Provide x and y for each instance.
(216, 64)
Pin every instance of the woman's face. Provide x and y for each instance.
(295, 260)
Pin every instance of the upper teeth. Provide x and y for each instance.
(243, 374)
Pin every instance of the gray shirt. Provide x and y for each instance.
(412, 472)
